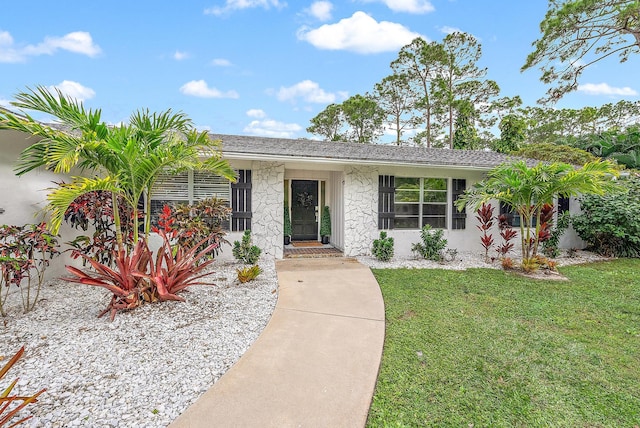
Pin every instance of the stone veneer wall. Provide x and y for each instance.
(267, 197)
(360, 209)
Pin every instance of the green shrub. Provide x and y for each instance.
(432, 244)
(383, 247)
(287, 222)
(610, 224)
(244, 251)
(325, 222)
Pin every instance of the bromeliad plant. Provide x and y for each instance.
(11, 405)
(138, 279)
(25, 254)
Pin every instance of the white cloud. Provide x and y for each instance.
(79, 42)
(308, 90)
(605, 89)
(5, 103)
(450, 30)
(179, 55)
(409, 6)
(231, 5)
(321, 10)
(257, 113)
(74, 90)
(220, 62)
(272, 128)
(200, 88)
(360, 33)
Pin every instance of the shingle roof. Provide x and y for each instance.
(340, 152)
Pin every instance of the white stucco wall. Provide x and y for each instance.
(360, 209)
(267, 198)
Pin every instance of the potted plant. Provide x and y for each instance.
(325, 225)
(287, 226)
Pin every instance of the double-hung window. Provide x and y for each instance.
(420, 201)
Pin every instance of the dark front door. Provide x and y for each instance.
(304, 209)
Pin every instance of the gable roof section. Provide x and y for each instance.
(281, 149)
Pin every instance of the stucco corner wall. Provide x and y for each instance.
(360, 209)
(267, 194)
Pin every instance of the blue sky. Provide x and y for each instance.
(263, 67)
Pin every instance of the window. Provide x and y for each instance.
(187, 188)
(420, 201)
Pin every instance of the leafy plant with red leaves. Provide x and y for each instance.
(129, 290)
(11, 405)
(485, 217)
(25, 254)
(96, 209)
(176, 268)
(507, 233)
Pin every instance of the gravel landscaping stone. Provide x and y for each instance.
(144, 368)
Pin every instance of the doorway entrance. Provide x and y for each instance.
(304, 210)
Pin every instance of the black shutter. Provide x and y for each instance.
(241, 202)
(563, 204)
(459, 218)
(386, 211)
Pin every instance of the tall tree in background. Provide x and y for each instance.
(328, 123)
(421, 61)
(397, 99)
(513, 132)
(364, 117)
(461, 79)
(578, 33)
(465, 135)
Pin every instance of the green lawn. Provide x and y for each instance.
(485, 348)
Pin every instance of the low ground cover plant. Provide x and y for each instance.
(248, 273)
(483, 347)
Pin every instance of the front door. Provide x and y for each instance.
(304, 210)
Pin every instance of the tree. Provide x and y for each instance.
(527, 190)
(512, 134)
(328, 123)
(550, 152)
(396, 98)
(126, 160)
(364, 117)
(579, 33)
(465, 135)
(421, 62)
(461, 79)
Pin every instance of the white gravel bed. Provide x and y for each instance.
(467, 260)
(144, 368)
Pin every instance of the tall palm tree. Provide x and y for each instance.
(528, 189)
(126, 159)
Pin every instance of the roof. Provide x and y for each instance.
(248, 147)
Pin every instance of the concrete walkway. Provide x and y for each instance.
(316, 362)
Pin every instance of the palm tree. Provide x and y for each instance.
(528, 189)
(126, 159)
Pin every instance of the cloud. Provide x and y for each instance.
(308, 90)
(220, 62)
(272, 128)
(179, 55)
(257, 113)
(449, 30)
(79, 42)
(409, 6)
(360, 33)
(605, 89)
(5, 103)
(321, 10)
(200, 88)
(74, 90)
(232, 5)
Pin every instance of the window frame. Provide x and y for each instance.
(422, 202)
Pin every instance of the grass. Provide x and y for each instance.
(484, 348)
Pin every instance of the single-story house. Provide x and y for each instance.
(368, 188)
